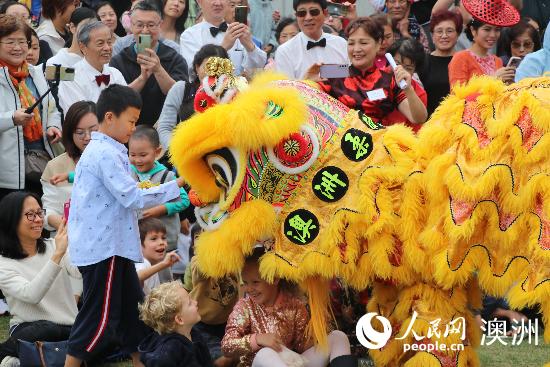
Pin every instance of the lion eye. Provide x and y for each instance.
(223, 164)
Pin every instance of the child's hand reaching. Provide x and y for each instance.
(270, 341)
(154, 212)
(171, 258)
(59, 178)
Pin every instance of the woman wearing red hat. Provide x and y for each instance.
(488, 16)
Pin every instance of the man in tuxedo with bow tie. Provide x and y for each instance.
(235, 37)
(92, 73)
(311, 45)
(153, 72)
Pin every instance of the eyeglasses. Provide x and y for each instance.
(525, 45)
(313, 12)
(400, 2)
(447, 32)
(13, 43)
(81, 133)
(140, 26)
(31, 216)
(409, 67)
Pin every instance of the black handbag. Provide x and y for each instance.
(42, 354)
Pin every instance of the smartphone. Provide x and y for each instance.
(241, 14)
(64, 73)
(335, 9)
(144, 42)
(514, 62)
(331, 71)
(66, 209)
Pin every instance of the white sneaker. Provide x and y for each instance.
(4, 309)
(10, 362)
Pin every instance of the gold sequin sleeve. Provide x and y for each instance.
(236, 341)
(300, 342)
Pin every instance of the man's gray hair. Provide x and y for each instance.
(83, 35)
(145, 5)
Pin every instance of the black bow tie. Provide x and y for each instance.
(321, 43)
(102, 78)
(222, 28)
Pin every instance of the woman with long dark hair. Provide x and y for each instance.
(35, 276)
(175, 14)
(79, 123)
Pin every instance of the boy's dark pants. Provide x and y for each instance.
(109, 313)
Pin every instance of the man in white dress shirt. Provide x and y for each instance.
(311, 45)
(235, 37)
(93, 73)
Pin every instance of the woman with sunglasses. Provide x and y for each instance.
(518, 41)
(26, 139)
(35, 276)
(536, 63)
(79, 123)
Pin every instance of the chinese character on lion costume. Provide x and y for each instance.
(429, 221)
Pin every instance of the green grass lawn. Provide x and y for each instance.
(495, 355)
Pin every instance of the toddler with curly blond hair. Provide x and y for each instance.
(170, 311)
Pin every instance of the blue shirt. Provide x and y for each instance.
(104, 204)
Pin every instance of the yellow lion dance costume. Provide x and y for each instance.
(427, 221)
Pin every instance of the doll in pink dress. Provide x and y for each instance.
(270, 320)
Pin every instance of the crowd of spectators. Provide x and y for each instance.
(80, 50)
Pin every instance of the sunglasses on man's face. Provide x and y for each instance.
(313, 12)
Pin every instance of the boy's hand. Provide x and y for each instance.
(181, 182)
(61, 177)
(154, 212)
(171, 258)
(270, 341)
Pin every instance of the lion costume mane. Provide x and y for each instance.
(428, 221)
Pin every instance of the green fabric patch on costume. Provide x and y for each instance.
(273, 110)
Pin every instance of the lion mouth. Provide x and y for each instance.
(225, 164)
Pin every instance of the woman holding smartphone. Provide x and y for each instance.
(374, 91)
(518, 41)
(484, 31)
